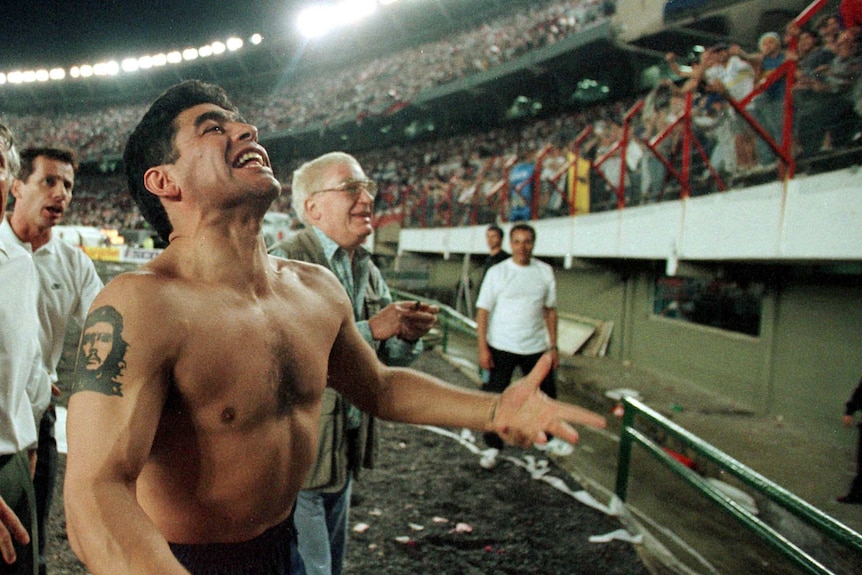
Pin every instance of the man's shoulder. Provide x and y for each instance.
(16, 264)
(302, 246)
(500, 256)
(306, 272)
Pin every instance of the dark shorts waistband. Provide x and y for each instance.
(266, 554)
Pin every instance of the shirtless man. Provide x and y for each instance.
(191, 459)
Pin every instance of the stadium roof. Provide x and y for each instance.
(47, 33)
(41, 35)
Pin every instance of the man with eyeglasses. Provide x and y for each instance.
(335, 199)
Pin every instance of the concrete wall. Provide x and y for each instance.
(802, 367)
(817, 357)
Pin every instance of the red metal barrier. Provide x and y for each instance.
(681, 173)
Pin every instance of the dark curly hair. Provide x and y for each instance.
(152, 144)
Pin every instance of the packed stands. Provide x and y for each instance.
(688, 135)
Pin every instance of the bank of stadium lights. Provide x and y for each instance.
(320, 19)
(127, 65)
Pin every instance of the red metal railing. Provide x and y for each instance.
(679, 169)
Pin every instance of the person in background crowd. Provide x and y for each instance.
(829, 28)
(24, 390)
(769, 105)
(68, 284)
(824, 109)
(516, 324)
(191, 459)
(334, 198)
(496, 254)
(731, 76)
(853, 405)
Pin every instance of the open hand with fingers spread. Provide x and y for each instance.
(524, 415)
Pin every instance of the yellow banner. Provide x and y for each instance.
(578, 184)
(103, 253)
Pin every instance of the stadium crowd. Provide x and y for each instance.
(456, 180)
(352, 92)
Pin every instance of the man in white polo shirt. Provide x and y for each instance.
(68, 285)
(24, 390)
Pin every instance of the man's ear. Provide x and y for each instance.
(15, 188)
(312, 210)
(160, 183)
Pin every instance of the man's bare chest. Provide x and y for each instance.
(260, 360)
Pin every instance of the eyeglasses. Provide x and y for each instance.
(353, 187)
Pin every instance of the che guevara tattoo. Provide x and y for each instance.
(102, 353)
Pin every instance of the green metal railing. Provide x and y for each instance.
(825, 524)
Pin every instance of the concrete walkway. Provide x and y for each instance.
(697, 535)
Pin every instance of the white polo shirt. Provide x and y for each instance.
(25, 389)
(68, 285)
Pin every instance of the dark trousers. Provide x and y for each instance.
(45, 478)
(16, 488)
(501, 376)
(856, 486)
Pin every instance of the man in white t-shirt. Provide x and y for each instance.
(516, 320)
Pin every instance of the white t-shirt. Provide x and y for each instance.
(737, 77)
(515, 297)
(24, 386)
(68, 285)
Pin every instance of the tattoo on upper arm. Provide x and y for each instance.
(102, 353)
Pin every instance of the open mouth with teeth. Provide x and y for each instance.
(250, 158)
(55, 210)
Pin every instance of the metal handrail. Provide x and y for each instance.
(825, 524)
(448, 318)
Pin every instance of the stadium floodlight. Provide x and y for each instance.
(315, 21)
(111, 68)
(387, 2)
(127, 65)
(318, 20)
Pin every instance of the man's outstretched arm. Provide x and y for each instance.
(522, 415)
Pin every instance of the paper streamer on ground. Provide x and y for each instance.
(538, 469)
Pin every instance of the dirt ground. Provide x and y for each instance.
(429, 508)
